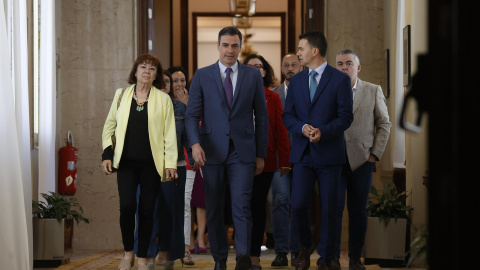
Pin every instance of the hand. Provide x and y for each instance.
(284, 170)
(315, 135)
(259, 165)
(195, 167)
(171, 174)
(182, 95)
(372, 158)
(198, 154)
(107, 166)
(307, 129)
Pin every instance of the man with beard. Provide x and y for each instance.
(281, 183)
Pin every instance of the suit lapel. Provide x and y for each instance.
(241, 73)
(304, 85)
(218, 81)
(359, 95)
(326, 75)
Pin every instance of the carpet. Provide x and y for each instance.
(109, 260)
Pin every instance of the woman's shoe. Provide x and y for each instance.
(187, 260)
(168, 265)
(254, 266)
(202, 250)
(126, 263)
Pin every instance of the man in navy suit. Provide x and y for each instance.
(318, 110)
(231, 143)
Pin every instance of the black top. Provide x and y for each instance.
(137, 144)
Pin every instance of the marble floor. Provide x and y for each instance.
(94, 259)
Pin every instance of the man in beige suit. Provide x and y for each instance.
(365, 140)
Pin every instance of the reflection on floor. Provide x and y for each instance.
(109, 259)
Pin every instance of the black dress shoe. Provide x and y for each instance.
(356, 264)
(293, 258)
(303, 260)
(335, 264)
(322, 266)
(244, 262)
(221, 265)
(280, 260)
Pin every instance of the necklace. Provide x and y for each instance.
(140, 104)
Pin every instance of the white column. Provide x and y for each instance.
(47, 100)
(399, 141)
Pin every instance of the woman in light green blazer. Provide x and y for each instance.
(142, 119)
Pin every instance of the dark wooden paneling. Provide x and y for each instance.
(142, 27)
(184, 34)
(314, 15)
(292, 22)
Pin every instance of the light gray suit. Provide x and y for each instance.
(281, 91)
(369, 131)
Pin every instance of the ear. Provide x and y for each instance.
(359, 68)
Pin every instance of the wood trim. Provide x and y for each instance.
(184, 34)
(142, 25)
(171, 34)
(195, 16)
(317, 22)
(292, 19)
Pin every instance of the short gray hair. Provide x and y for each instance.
(348, 51)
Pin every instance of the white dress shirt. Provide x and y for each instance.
(233, 74)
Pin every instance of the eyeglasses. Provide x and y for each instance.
(257, 66)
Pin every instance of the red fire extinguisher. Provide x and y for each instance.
(67, 168)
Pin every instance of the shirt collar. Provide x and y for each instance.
(355, 86)
(223, 67)
(319, 69)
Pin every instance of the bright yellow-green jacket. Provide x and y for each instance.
(161, 128)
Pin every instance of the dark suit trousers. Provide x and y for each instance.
(356, 185)
(129, 176)
(261, 186)
(240, 178)
(305, 173)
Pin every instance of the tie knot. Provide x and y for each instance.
(228, 71)
(313, 73)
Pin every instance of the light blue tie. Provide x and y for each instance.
(313, 84)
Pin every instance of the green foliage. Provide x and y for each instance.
(58, 207)
(418, 247)
(388, 204)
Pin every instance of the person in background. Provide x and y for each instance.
(365, 141)
(285, 238)
(278, 146)
(141, 118)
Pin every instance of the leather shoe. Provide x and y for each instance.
(221, 265)
(322, 266)
(335, 264)
(243, 262)
(356, 264)
(280, 260)
(303, 260)
(293, 258)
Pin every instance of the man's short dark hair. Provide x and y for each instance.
(316, 39)
(230, 31)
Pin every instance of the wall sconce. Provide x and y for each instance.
(241, 8)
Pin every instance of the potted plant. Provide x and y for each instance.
(53, 227)
(387, 226)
